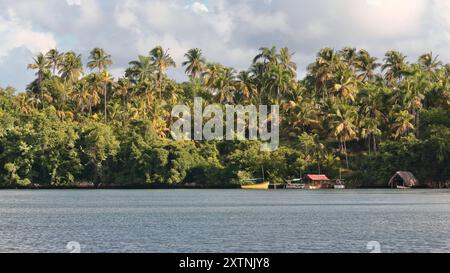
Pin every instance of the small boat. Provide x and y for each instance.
(339, 184)
(295, 186)
(403, 187)
(256, 186)
(259, 186)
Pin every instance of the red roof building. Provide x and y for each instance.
(318, 177)
(317, 181)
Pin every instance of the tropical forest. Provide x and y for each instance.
(351, 115)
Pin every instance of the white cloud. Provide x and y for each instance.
(125, 16)
(199, 7)
(228, 31)
(73, 2)
(442, 11)
(15, 33)
(90, 13)
(387, 18)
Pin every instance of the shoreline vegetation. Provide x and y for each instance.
(352, 114)
(182, 187)
(224, 186)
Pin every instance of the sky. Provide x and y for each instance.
(228, 31)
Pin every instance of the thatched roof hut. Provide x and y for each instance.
(403, 179)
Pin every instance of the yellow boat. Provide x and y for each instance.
(260, 186)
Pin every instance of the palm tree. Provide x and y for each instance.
(258, 72)
(211, 74)
(26, 103)
(266, 54)
(159, 117)
(313, 148)
(54, 59)
(195, 62)
(350, 56)
(174, 89)
(115, 111)
(371, 112)
(81, 96)
(58, 91)
(369, 131)
(285, 60)
(71, 67)
(245, 84)
(142, 71)
(323, 69)
(402, 123)
(346, 84)
(226, 85)
(94, 88)
(344, 128)
(105, 79)
(162, 61)
(41, 65)
(99, 59)
(123, 88)
(279, 81)
(415, 88)
(366, 65)
(429, 63)
(303, 114)
(394, 65)
(136, 109)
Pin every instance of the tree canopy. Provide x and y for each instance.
(351, 112)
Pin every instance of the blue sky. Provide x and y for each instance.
(228, 31)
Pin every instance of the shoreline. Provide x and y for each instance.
(159, 187)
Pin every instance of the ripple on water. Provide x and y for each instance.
(225, 220)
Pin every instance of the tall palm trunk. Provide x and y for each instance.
(346, 154)
(160, 89)
(160, 86)
(104, 95)
(146, 101)
(41, 91)
(374, 143)
(417, 122)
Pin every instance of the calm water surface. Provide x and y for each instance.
(224, 220)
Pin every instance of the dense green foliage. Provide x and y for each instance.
(348, 113)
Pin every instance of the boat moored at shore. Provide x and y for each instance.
(259, 186)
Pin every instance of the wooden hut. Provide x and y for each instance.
(317, 181)
(403, 180)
